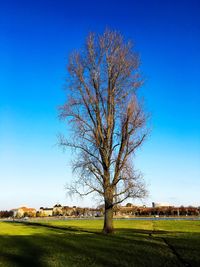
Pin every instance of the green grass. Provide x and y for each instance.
(81, 243)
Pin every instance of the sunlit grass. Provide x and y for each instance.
(81, 243)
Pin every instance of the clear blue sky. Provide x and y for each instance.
(36, 38)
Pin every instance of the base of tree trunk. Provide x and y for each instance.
(108, 221)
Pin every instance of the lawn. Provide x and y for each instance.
(81, 243)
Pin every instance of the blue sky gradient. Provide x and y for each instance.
(36, 39)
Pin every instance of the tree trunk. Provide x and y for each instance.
(108, 198)
(108, 220)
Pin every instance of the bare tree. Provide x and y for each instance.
(107, 120)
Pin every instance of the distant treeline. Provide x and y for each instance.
(6, 214)
(160, 211)
(128, 210)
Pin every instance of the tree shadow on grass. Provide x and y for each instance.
(187, 246)
(19, 251)
(71, 247)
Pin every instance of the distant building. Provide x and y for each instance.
(45, 212)
(162, 204)
(57, 210)
(68, 211)
(24, 212)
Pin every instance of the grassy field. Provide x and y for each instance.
(81, 243)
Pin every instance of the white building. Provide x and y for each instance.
(161, 204)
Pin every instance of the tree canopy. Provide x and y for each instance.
(107, 120)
